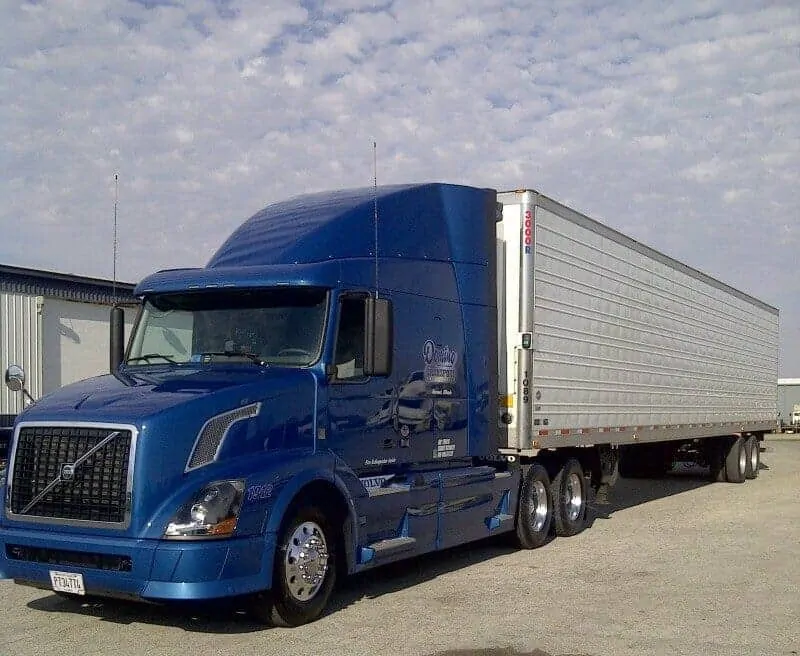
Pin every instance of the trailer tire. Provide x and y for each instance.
(306, 537)
(736, 461)
(535, 509)
(753, 449)
(569, 491)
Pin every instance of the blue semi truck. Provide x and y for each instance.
(362, 376)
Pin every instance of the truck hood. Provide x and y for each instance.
(134, 397)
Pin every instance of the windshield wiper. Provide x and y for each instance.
(150, 356)
(254, 357)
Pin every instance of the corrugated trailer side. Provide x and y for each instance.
(626, 344)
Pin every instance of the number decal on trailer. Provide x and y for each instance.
(528, 232)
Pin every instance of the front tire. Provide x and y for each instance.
(535, 509)
(569, 491)
(304, 572)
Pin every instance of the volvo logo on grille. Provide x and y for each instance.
(67, 472)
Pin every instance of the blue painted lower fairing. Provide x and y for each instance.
(159, 570)
(430, 510)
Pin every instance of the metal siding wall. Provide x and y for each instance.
(625, 340)
(21, 344)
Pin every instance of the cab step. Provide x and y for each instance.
(386, 548)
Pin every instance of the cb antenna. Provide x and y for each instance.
(116, 201)
(375, 217)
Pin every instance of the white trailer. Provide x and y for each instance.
(606, 341)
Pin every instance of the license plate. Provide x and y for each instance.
(67, 582)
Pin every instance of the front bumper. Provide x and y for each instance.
(155, 570)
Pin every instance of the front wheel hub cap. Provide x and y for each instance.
(306, 561)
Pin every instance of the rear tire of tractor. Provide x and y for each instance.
(753, 449)
(300, 591)
(535, 509)
(570, 492)
(736, 461)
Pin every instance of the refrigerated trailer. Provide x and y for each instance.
(362, 376)
(602, 336)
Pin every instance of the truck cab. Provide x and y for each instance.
(318, 399)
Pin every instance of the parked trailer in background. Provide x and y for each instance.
(331, 393)
(789, 405)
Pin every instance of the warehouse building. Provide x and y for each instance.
(55, 326)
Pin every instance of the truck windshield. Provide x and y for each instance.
(270, 326)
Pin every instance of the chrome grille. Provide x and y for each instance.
(53, 478)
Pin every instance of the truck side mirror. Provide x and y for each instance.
(116, 338)
(15, 381)
(15, 378)
(380, 337)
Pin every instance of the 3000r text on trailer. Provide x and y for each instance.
(362, 376)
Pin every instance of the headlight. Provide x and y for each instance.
(212, 512)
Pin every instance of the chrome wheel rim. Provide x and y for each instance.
(538, 506)
(306, 561)
(574, 497)
(743, 460)
(754, 457)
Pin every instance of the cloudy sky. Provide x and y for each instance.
(677, 123)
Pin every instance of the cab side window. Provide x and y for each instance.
(349, 356)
